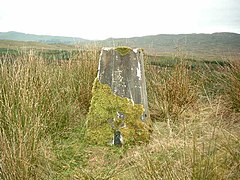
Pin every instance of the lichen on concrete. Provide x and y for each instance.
(123, 50)
(103, 119)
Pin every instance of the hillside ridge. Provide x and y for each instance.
(215, 44)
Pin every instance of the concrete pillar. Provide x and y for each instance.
(119, 102)
(123, 70)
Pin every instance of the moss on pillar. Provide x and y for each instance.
(123, 50)
(103, 121)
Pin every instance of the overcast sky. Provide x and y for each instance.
(100, 19)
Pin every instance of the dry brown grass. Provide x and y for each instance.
(171, 91)
(39, 102)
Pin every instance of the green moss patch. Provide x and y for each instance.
(103, 118)
(123, 50)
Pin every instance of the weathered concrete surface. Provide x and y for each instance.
(124, 73)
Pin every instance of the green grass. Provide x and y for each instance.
(43, 107)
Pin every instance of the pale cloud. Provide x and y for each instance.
(94, 19)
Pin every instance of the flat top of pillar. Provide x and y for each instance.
(122, 50)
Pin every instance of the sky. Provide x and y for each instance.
(101, 19)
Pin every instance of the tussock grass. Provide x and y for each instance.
(40, 101)
(232, 82)
(200, 147)
(171, 91)
(43, 107)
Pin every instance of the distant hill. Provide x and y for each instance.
(194, 45)
(23, 45)
(17, 36)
